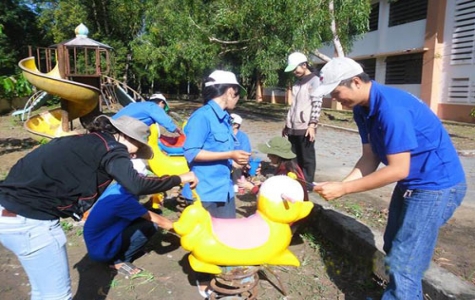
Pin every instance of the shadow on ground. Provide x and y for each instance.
(9, 145)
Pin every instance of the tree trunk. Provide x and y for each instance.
(126, 71)
(258, 89)
(336, 40)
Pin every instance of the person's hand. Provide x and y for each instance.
(166, 224)
(330, 190)
(189, 177)
(285, 131)
(238, 166)
(311, 132)
(243, 183)
(240, 157)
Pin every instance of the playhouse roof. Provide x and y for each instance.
(81, 39)
(82, 42)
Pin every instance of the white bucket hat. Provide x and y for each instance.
(333, 72)
(294, 60)
(223, 77)
(136, 130)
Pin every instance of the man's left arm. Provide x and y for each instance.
(396, 170)
(314, 117)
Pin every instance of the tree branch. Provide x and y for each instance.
(231, 50)
(213, 39)
(321, 56)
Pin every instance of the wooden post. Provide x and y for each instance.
(288, 95)
(62, 58)
(64, 116)
(258, 90)
(336, 105)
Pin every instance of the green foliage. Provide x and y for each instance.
(66, 226)
(165, 45)
(472, 113)
(53, 101)
(250, 37)
(44, 141)
(14, 86)
(6, 57)
(18, 29)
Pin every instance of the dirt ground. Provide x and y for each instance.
(325, 273)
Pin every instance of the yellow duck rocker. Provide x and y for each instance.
(262, 238)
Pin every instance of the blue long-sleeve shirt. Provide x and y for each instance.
(149, 113)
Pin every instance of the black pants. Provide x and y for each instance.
(306, 158)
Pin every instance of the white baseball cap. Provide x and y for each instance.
(236, 119)
(294, 60)
(334, 72)
(223, 77)
(160, 97)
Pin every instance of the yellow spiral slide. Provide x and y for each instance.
(82, 99)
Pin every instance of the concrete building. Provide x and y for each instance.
(426, 47)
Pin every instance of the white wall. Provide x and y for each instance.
(385, 40)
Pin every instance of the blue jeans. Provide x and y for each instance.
(134, 238)
(415, 217)
(41, 249)
(223, 210)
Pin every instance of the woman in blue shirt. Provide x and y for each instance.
(209, 145)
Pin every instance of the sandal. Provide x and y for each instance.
(127, 269)
(206, 292)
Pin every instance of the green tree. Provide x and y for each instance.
(7, 58)
(171, 50)
(162, 45)
(18, 29)
(184, 39)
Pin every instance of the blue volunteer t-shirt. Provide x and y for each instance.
(396, 122)
(242, 142)
(209, 128)
(115, 210)
(149, 113)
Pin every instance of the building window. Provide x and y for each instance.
(369, 66)
(463, 36)
(374, 17)
(405, 11)
(404, 69)
(461, 90)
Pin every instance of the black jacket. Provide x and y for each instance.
(64, 177)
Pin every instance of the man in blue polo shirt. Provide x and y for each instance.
(400, 131)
